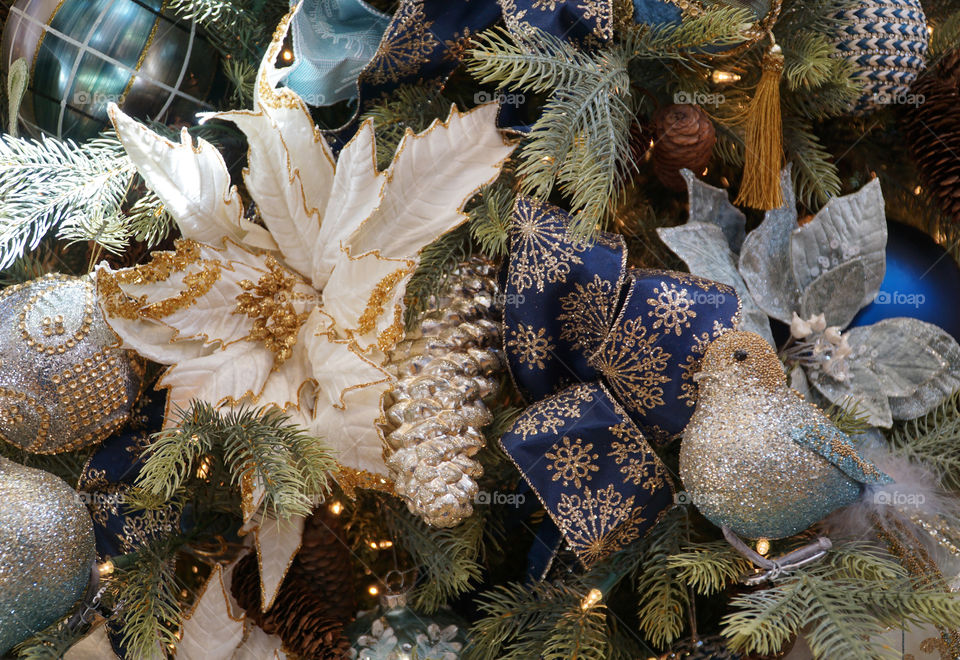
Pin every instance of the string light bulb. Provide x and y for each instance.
(106, 568)
(593, 597)
(373, 590)
(763, 546)
(724, 77)
(287, 55)
(336, 508)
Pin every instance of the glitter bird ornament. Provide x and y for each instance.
(757, 459)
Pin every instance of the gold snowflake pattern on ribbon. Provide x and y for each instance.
(634, 365)
(554, 412)
(586, 314)
(536, 234)
(671, 308)
(595, 524)
(571, 461)
(532, 345)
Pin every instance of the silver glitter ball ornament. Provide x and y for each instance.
(64, 382)
(46, 551)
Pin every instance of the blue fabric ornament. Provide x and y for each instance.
(111, 472)
(922, 281)
(601, 351)
(332, 41)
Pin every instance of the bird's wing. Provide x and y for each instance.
(835, 446)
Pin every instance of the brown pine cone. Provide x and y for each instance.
(324, 565)
(297, 617)
(684, 137)
(933, 132)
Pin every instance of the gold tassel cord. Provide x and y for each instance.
(760, 186)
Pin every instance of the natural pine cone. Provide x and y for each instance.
(324, 564)
(435, 411)
(684, 138)
(932, 128)
(298, 615)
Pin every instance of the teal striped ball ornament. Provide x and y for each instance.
(47, 551)
(886, 41)
(83, 54)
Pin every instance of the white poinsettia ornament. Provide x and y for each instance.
(299, 312)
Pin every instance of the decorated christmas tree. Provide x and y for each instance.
(490, 329)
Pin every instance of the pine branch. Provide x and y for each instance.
(848, 417)
(946, 36)
(579, 634)
(59, 183)
(815, 176)
(231, 26)
(258, 446)
(763, 621)
(708, 567)
(838, 624)
(148, 607)
(437, 262)
(448, 557)
(663, 596)
(933, 440)
(808, 62)
(490, 220)
(409, 107)
(49, 644)
(149, 221)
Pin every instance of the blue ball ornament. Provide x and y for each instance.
(83, 54)
(922, 281)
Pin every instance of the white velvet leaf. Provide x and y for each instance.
(95, 646)
(433, 174)
(209, 631)
(234, 373)
(259, 646)
(193, 183)
(277, 543)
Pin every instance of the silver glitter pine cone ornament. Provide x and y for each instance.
(435, 411)
(47, 550)
(64, 382)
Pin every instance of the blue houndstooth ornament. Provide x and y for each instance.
(886, 41)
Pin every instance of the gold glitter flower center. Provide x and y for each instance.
(269, 303)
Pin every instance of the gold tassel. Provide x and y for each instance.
(760, 187)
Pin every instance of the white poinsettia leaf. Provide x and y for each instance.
(917, 362)
(290, 168)
(230, 375)
(765, 254)
(837, 294)
(352, 430)
(363, 295)
(847, 228)
(277, 542)
(193, 183)
(209, 631)
(712, 205)
(338, 365)
(357, 190)
(431, 178)
(861, 385)
(705, 250)
(95, 646)
(258, 645)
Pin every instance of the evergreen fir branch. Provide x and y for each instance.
(242, 75)
(148, 607)
(490, 220)
(708, 567)
(51, 182)
(815, 177)
(763, 621)
(517, 619)
(579, 634)
(231, 26)
(448, 557)
(838, 624)
(896, 605)
(849, 417)
(946, 36)
(257, 445)
(437, 262)
(664, 598)
(148, 220)
(409, 107)
(830, 100)
(933, 440)
(49, 644)
(808, 62)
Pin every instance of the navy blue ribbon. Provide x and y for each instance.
(604, 353)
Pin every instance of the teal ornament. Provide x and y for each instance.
(394, 631)
(332, 41)
(46, 551)
(756, 457)
(83, 54)
(922, 281)
(886, 42)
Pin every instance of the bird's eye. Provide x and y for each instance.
(740, 355)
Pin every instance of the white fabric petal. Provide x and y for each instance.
(277, 544)
(233, 374)
(338, 369)
(192, 181)
(431, 178)
(352, 431)
(209, 631)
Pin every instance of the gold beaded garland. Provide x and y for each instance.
(64, 383)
